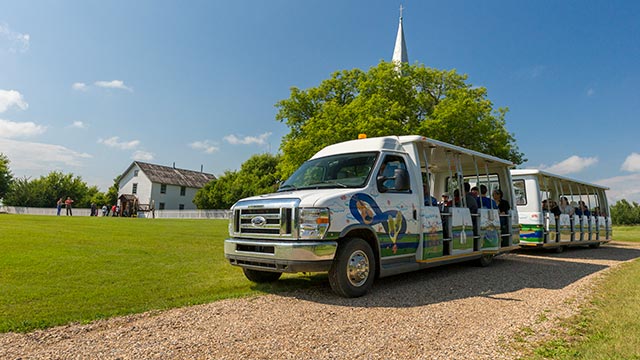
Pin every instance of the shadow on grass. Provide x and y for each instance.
(507, 274)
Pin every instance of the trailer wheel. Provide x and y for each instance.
(558, 249)
(485, 260)
(594, 246)
(353, 269)
(258, 276)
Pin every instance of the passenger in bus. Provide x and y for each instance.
(456, 198)
(555, 210)
(484, 200)
(470, 199)
(565, 207)
(503, 209)
(434, 201)
(582, 209)
(445, 203)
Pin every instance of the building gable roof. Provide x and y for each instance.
(172, 176)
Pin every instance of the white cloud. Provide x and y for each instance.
(142, 155)
(9, 98)
(80, 86)
(622, 187)
(631, 163)
(247, 140)
(591, 92)
(113, 84)
(115, 142)
(78, 125)
(13, 40)
(10, 129)
(206, 146)
(572, 164)
(26, 155)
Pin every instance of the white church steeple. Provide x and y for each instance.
(400, 50)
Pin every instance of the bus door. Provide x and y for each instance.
(394, 210)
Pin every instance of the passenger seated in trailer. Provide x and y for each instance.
(484, 200)
(445, 203)
(565, 208)
(503, 209)
(470, 199)
(434, 201)
(555, 210)
(582, 209)
(456, 198)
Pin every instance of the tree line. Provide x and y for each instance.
(46, 190)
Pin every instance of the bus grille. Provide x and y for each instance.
(261, 222)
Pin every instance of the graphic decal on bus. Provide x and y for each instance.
(366, 211)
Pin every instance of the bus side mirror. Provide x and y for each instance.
(402, 180)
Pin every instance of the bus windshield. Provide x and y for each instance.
(336, 171)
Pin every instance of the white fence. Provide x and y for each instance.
(159, 214)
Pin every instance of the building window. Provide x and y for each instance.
(183, 190)
(181, 207)
(135, 188)
(163, 188)
(135, 172)
(161, 206)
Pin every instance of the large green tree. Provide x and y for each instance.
(257, 175)
(6, 177)
(625, 213)
(46, 190)
(386, 100)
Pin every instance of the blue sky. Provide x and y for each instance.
(86, 87)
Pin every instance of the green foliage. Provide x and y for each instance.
(58, 270)
(6, 178)
(430, 102)
(258, 175)
(625, 213)
(111, 197)
(46, 190)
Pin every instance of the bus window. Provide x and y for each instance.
(521, 192)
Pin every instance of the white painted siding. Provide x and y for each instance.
(144, 185)
(172, 198)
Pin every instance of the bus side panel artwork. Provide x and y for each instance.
(515, 228)
(489, 229)
(462, 231)
(564, 227)
(432, 244)
(551, 228)
(532, 233)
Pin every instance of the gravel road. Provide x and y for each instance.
(451, 312)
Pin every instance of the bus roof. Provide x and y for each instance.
(524, 172)
(395, 143)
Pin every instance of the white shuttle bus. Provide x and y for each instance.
(369, 208)
(557, 212)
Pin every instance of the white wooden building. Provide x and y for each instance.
(162, 187)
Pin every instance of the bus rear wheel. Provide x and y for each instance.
(485, 260)
(353, 269)
(594, 246)
(258, 276)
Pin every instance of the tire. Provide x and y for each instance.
(258, 276)
(558, 249)
(485, 260)
(353, 269)
(594, 246)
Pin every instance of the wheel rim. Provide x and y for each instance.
(358, 268)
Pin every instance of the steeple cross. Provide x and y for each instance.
(401, 8)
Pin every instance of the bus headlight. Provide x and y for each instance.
(314, 222)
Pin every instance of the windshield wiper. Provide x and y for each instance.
(287, 187)
(331, 182)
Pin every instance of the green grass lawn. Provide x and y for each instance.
(608, 327)
(626, 233)
(57, 270)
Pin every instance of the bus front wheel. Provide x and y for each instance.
(353, 269)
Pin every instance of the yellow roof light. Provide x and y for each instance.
(362, 136)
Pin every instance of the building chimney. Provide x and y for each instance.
(174, 164)
(201, 167)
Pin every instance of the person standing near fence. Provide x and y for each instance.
(59, 206)
(67, 205)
